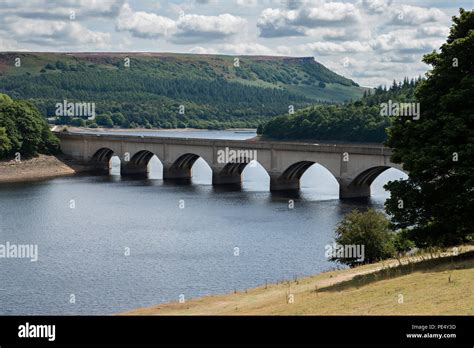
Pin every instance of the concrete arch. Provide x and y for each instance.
(290, 178)
(181, 168)
(368, 176)
(359, 186)
(102, 155)
(101, 159)
(138, 163)
(237, 166)
(231, 173)
(186, 161)
(296, 171)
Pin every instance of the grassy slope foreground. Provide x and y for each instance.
(149, 92)
(439, 286)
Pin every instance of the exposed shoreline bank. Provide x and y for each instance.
(35, 169)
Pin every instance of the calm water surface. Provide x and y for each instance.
(174, 249)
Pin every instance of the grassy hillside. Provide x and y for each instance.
(439, 286)
(213, 90)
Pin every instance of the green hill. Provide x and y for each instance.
(214, 91)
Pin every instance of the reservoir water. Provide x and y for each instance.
(107, 244)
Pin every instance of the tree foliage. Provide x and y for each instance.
(370, 229)
(436, 203)
(359, 121)
(23, 129)
(5, 143)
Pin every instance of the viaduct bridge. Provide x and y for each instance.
(354, 166)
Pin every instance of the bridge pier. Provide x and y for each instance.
(280, 183)
(170, 171)
(347, 189)
(98, 167)
(219, 178)
(129, 168)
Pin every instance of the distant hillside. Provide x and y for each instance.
(214, 92)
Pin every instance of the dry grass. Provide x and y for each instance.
(432, 287)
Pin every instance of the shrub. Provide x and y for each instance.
(370, 229)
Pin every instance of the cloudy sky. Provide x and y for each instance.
(370, 41)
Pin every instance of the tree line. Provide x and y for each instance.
(358, 121)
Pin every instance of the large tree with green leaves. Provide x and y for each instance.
(24, 130)
(436, 203)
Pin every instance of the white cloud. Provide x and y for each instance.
(192, 27)
(414, 15)
(247, 3)
(240, 49)
(284, 50)
(8, 45)
(62, 9)
(296, 4)
(375, 6)
(281, 22)
(202, 50)
(188, 28)
(56, 33)
(328, 13)
(325, 48)
(440, 31)
(404, 41)
(247, 49)
(143, 24)
(277, 23)
(339, 34)
(206, 2)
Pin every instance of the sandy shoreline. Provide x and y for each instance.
(38, 168)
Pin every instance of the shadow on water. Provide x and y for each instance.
(285, 195)
(178, 182)
(227, 188)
